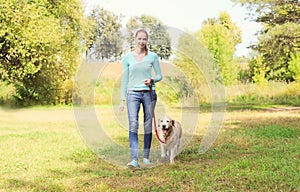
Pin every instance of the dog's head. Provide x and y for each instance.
(165, 125)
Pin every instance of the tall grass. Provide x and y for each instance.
(99, 84)
(6, 94)
(272, 93)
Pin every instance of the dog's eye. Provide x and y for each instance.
(161, 120)
(168, 121)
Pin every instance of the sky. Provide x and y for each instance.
(186, 15)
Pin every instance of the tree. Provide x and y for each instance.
(279, 39)
(188, 48)
(294, 67)
(277, 47)
(159, 41)
(220, 36)
(106, 34)
(40, 48)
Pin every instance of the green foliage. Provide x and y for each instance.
(106, 34)
(221, 36)
(159, 41)
(195, 63)
(175, 90)
(279, 39)
(104, 91)
(84, 85)
(277, 47)
(272, 12)
(294, 67)
(244, 75)
(39, 47)
(258, 70)
(6, 93)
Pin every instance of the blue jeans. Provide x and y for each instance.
(134, 101)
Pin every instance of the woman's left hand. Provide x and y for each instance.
(148, 82)
(121, 106)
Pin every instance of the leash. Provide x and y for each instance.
(155, 128)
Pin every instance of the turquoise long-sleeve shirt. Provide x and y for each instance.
(135, 72)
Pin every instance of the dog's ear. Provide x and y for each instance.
(173, 122)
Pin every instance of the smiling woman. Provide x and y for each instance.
(99, 136)
(136, 81)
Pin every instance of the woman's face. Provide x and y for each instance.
(141, 39)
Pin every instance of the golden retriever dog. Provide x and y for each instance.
(171, 132)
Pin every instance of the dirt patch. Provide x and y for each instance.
(38, 115)
(283, 109)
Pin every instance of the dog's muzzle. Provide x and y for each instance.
(164, 129)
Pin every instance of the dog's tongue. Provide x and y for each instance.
(164, 131)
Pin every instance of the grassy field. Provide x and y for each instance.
(256, 150)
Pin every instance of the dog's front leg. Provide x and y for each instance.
(172, 154)
(176, 149)
(163, 151)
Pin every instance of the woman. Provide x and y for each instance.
(136, 79)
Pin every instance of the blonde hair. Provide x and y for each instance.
(143, 31)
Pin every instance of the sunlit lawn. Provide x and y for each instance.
(42, 150)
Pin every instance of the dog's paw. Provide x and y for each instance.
(163, 160)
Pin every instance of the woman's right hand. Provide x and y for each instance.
(122, 105)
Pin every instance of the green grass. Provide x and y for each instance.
(41, 150)
(273, 93)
